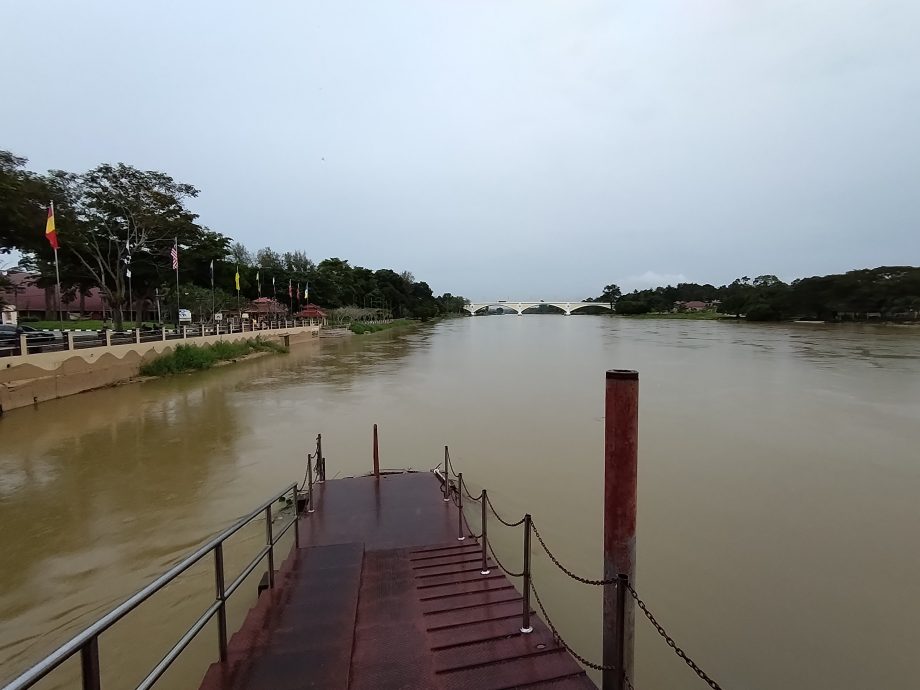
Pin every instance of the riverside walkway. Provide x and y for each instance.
(382, 594)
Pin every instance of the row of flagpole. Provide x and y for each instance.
(51, 236)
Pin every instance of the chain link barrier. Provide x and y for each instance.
(558, 637)
(499, 563)
(499, 517)
(670, 640)
(455, 499)
(558, 564)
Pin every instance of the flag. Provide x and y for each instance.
(212, 272)
(174, 253)
(258, 283)
(290, 286)
(298, 289)
(50, 232)
(237, 278)
(306, 291)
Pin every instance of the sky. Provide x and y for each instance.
(499, 149)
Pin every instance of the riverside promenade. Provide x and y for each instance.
(75, 367)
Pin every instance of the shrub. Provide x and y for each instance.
(632, 307)
(29, 319)
(194, 357)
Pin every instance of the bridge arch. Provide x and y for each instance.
(520, 306)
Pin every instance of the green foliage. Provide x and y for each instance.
(360, 328)
(29, 319)
(116, 217)
(193, 357)
(631, 306)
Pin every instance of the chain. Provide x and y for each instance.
(561, 567)
(558, 637)
(470, 496)
(673, 645)
(499, 517)
(507, 572)
(468, 529)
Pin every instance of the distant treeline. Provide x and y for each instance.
(886, 292)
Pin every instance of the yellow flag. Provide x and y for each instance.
(237, 281)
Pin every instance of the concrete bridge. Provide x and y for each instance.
(520, 306)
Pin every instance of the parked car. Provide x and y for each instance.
(9, 334)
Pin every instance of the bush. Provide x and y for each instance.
(762, 312)
(360, 328)
(629, 307)
(193, 357)
(29, 319)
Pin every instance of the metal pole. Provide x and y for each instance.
(310, 484)
(619, 663)
(271, 547)
(178, 305)
(57, 272)
(484, 499)
(321, 468)
(446, 475)
(460, 536)
(296, 519)
(222, 598)
(526, 627)
(89, 664)
(159, 316)
(620, 469)
(376, 454)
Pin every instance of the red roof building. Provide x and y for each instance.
(311, 311)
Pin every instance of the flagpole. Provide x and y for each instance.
(57, 273)
(178, 307)
(212, 290)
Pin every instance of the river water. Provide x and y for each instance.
(778, 484)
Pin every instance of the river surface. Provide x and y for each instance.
(779, 476)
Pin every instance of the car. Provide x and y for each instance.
(9, 334)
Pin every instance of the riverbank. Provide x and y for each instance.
(31, 379)
(361, 328)
(187, 358)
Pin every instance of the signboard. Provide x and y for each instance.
(185, 315)
(246, 316)
(218, 317)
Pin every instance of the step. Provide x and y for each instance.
(497, 650)
(555, 665)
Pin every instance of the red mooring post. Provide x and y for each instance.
(376, 454)
(621, 432)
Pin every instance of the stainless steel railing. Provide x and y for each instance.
(86, 643)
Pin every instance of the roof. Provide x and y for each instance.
(312, 311)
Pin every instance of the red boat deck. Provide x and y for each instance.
(381, 594)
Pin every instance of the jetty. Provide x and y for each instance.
(381, 593)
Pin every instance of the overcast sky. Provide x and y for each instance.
(499, 149)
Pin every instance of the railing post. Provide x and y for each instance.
(620, 661)
(484, 498)
(446, 475)
(376, 454)
(137, 335)
(460, 536)
(89, 664)
(526, 627)
(620, 469)
(222, 598)
(23, 344)
(108, 337)
(271, 547)
(70, 344)
(321, 467)
(309, 484)
(296, 519)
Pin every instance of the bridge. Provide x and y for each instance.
(520, 306)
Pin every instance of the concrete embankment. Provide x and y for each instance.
(30, 379)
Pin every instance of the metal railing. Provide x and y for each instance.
(80, 340)
(86, 643)
(614, 675)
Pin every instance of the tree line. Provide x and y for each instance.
(886, 292)
(117, 225)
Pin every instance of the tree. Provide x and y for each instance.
(122, 219)
(610, 295)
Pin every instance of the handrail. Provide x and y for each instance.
(87, 639)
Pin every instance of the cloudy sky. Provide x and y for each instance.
(499, 149)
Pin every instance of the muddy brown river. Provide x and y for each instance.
(779, 476)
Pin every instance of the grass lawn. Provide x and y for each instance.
(87, 325)
(360, 328)
(191, 357)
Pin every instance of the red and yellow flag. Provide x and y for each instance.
(50, 232)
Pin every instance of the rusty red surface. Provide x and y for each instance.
(382, 595)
